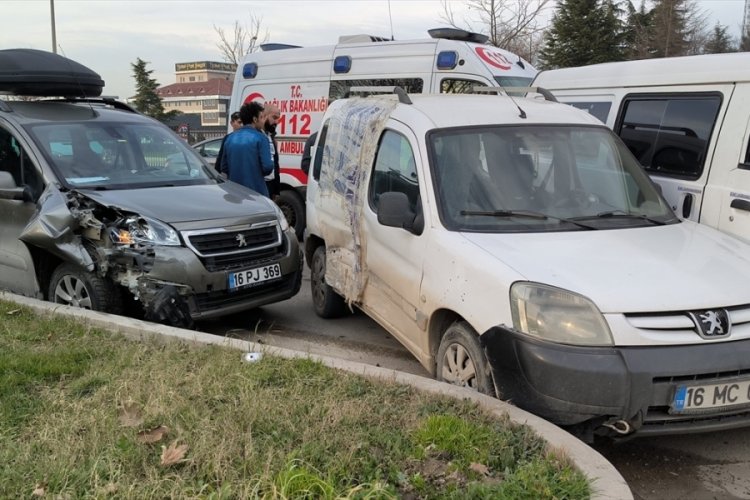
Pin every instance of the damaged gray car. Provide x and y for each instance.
(103, 207)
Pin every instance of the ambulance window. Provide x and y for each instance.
(669, 134)
(339, 88)
(395, 170)
(746, 164)
(459, 86)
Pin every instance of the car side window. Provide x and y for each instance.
(318, 161)
(669, 135)
(394, 170)
(211, 149)
(15, 160)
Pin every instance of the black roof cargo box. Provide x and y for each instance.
(40, 73)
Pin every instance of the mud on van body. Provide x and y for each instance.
(686, 119)
(303, 81)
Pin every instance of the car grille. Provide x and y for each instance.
(227, 249)
(678, 322)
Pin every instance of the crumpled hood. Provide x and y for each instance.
(186, 203)
(682, 266)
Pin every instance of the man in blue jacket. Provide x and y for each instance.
(247, 153)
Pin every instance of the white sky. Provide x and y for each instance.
(108, 35)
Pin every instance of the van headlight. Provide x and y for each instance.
(557, 315)
(282, 218)
(145, 230)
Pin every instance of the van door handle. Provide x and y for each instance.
(687, 206)
(740, 204)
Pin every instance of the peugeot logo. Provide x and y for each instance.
(711, 323)
(241, 240)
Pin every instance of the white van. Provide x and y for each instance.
(303, 81)
(686, 119)
(516, 247)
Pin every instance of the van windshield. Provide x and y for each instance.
(540, 178)
(118, 155)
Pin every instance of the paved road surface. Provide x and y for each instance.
(697, 467)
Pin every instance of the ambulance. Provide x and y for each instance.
(303, 81)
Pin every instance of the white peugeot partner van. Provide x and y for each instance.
(302, 81)
(515, 246)
(686, 120)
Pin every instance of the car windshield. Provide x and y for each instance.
(102, 155)
(540, 178)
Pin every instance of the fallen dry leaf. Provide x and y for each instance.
(38, 490)
(110, 488)
(154, 435)
(173, 454)
(130, 415)
(480, 469)
(13, 311)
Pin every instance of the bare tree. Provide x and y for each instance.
(241, 40)
(510, 24)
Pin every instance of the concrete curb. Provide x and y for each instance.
(607, 483)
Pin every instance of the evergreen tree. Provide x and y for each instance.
(147, 101)
(719, 42)
(582, 32)
(637, 33)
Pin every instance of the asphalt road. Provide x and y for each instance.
(690, 467)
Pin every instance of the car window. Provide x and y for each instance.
(394, 170)
(211, 148)
(15, 160)
(118, 155)
(669, 135)
(459, 86)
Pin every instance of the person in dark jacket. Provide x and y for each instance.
(247, 153)
(271, 117)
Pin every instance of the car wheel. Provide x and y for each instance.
(293, 207)
(461, 360)
(73, 286)
(326, 302)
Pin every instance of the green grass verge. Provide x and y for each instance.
(77, 405)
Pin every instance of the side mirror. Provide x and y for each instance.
(394, 211)
(10, 191)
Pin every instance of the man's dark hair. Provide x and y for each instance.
(234, 116)
(250, 111)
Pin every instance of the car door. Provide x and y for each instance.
(727, 204)
(672, 134)
(393, 255)
(16, 265)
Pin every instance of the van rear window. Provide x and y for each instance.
(669, 135)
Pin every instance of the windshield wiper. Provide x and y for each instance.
(623, 214)
(527, 214)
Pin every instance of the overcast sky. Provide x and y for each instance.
(108, 35)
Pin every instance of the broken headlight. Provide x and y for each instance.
(144, 230)
(557, 315)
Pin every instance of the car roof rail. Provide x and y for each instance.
(403, 97)
(548, 96)
(110, 101)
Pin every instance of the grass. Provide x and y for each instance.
(87, 414)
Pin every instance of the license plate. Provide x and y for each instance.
(253, 276)
(698, 398)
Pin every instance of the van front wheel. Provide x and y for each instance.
(73, 286)
(461, 360)
(327, 303)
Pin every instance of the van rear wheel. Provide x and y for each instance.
(326, 302)
(461, 360)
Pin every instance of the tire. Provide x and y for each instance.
(326, 302)
(73, 286)
(461, 360)
(294, 210)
